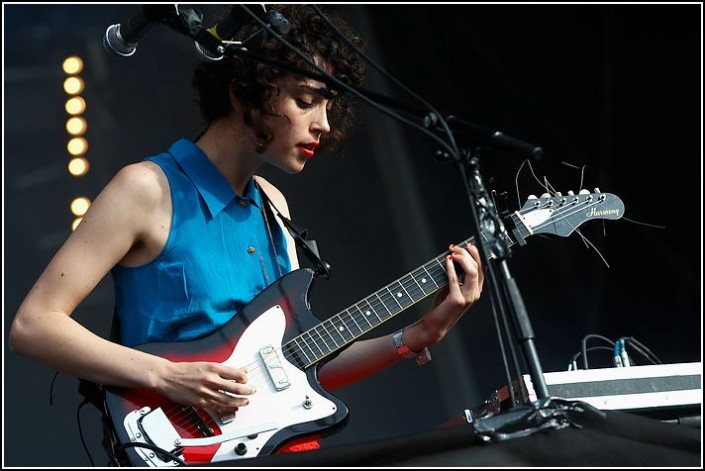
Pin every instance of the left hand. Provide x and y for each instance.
(451, 302)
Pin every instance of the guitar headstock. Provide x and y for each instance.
(562, 214)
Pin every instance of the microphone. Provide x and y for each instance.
(121, 39)
(477, 135)
(209, 45)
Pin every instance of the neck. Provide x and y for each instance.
(231, 150)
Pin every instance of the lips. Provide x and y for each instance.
(308, 149)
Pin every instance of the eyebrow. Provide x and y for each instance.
(323, 91)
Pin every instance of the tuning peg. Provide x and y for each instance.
(570, 193)
(596, 190)
(583, 192)
(531, 197)
(558, 193)
(545, 195)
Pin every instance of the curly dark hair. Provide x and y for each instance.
(254, 83)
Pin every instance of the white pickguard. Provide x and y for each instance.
(269, 410)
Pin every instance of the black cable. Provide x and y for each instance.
(155, 448)
(598, 347)
(51, 388)
(643, 350)
(388, 75)
(585, 339)
(80, 430)
(344, 86)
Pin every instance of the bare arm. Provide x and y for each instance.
(114, 229)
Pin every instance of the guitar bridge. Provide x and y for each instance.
(276, 372)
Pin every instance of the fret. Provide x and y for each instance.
(342, 325)
(315, 329)
(296, 341)
(418, 284)
(394, 297)
(385, 306)
(359, 329)
(330, 335)
(370, 314)
(335, 329)
(443, 276)
(412, 298)
(430, 277)
(314, 342)
(364, 315)
(339, 331)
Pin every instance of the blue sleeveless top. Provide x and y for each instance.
(217, 258)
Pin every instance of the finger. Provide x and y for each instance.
(453, 280)
(233, 387)
(466, 262)
(238, 375)
(475, 254)
(226, 401)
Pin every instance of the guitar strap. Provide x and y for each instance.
(307, 246)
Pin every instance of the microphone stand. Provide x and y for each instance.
(491, 230)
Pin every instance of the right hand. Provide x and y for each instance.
(207, 385)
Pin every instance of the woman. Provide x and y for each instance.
(190, 239)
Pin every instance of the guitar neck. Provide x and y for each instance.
(360, 318)
(555, 215)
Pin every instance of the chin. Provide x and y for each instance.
(293, 169)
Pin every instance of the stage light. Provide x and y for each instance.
(72, 65)
(77, 146)
(78, 166)
(80, 205)
(75, 223)
(76, 125)
(73, 85)
(75, 105)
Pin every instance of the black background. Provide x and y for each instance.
(614, 88)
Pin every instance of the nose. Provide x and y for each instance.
(320, 124)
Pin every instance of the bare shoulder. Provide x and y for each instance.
(143, 181)
(274, 194)
(131, 199)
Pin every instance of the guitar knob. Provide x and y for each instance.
(240, 449)
(584, 192)
(570, 193)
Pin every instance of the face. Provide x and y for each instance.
(306, 103)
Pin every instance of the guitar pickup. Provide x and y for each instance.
(276, 372)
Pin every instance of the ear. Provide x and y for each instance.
(234, 101)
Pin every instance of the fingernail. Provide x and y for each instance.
(254, 390)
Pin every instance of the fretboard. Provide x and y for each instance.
(350, 324)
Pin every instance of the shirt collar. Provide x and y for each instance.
(210, 183)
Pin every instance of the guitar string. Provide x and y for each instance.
(345, 317)
(340, 325)
(348, 324)
(558, 215)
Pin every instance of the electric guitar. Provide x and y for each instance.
(281, 341)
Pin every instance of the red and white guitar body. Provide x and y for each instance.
(289, 401)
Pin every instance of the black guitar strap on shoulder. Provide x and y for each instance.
(308, 247)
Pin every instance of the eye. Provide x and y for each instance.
(303, 104)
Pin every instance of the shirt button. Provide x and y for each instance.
(242, 202)
(250, 250)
